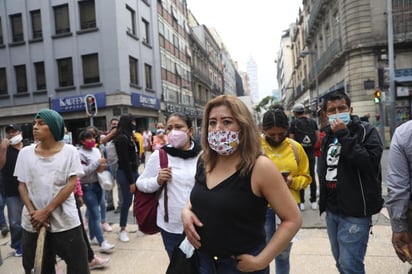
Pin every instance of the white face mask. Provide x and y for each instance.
(16, 139)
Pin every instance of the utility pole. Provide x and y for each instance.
(391, 57)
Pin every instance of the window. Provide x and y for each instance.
(40, 75)
(133, 64)
(1, 34)
(21, 79)
(65, 69)
(90, 68)
(148, 76)
(87, 14)
(146, 32)
(132, 26)
(16, 27)
(61, 19)
(3, 81)
(36, 24)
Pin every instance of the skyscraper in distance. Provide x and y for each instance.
(253, 79)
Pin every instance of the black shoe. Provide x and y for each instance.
(117, 210)
(109, 208)
(4, 230)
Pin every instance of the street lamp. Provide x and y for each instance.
(315, 67)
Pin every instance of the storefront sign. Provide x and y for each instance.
(144, 101)
(76, 103)
(188, 110)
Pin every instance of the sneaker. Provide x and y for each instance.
(139, 233)
(4, 230)
(93, 241)
(105, 247)
(106, 227)
(98, 262)
(302, 206)
(18, 252)
(123, 237)
(314, 205)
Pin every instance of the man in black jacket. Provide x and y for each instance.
(350, 182)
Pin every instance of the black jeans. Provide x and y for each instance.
(312, 162)
(69, 245)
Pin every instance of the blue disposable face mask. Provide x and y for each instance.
(344, 116)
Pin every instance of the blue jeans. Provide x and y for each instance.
(170, 241)
(102, 208)
(282, 260)
(348, 237)
(2, 204)
(127, 196)
(92, 195)
(14, 209)
(208, 265)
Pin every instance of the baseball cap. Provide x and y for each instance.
(12, 127)
(298, 108)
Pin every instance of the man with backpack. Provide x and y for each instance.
(305, 131)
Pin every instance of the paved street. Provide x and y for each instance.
(310, 254)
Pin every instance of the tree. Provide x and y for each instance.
(267, 103)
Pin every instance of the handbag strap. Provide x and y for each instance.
(164, 164)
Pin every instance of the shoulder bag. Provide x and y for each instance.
(145, 204)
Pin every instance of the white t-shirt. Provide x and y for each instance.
(44, 178)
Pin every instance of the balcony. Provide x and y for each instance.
(318, 7)
(326, 58)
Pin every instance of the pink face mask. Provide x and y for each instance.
(89, 144)
(177, 138)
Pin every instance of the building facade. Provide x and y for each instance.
(343, 46)
(54, 53)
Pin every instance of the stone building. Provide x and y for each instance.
(343, 46)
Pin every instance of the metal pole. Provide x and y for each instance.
(382, 123)
(91, 121)
(315, 64)
(391, 57)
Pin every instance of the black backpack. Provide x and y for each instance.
(305, 132)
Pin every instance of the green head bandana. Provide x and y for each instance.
(54, 120)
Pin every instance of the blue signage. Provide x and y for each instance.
(144, 101)
(76, 103)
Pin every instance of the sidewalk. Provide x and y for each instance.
(310, 254)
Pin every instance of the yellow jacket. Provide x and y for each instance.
(139, 138)
(284, 158)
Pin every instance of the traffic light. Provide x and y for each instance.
(377, 97)
(91, 105)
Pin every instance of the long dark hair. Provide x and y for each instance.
(125, 127)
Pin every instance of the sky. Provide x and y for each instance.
(250, 29)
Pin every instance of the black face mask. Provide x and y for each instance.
(274, 143)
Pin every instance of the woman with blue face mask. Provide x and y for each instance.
(225, 217)
(182, 153)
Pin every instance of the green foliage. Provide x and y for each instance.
(267, 103)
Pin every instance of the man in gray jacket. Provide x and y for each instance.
(399, 190)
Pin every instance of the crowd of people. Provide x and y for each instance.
(256, 177)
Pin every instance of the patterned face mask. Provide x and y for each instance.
(223, 142)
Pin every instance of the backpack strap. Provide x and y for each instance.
(295, 150)
(164, 164)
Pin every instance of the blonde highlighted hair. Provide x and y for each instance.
(249, 140)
